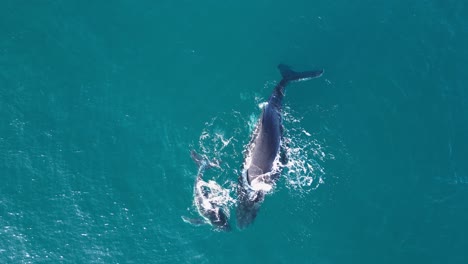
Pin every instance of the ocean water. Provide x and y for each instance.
(101, 103)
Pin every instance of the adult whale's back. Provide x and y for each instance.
(257, 177)
(268, 134)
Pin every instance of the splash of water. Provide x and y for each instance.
(220, 196)
(303, 169)
(305, 155)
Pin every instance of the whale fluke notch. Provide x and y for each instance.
(289, 75)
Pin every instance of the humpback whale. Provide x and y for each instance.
(209, 210)
(259, 174)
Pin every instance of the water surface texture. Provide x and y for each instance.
(101, 103)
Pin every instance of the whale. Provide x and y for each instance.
(263, 152)
(210, 211)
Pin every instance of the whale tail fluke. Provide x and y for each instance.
(289, 75)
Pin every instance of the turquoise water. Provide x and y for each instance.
(101, 103)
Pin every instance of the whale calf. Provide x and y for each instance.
(210, 211)
(258, 175)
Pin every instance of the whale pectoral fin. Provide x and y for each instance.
(193, 221)
(283, 156)
(196, 157)
(283, 151)
(202, 161)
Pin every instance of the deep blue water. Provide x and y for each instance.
(101, 103)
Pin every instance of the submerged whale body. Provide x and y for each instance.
(259, 175)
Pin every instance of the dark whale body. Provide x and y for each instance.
(258, 176)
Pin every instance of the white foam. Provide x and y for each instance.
(262, 105)
(258, 185)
